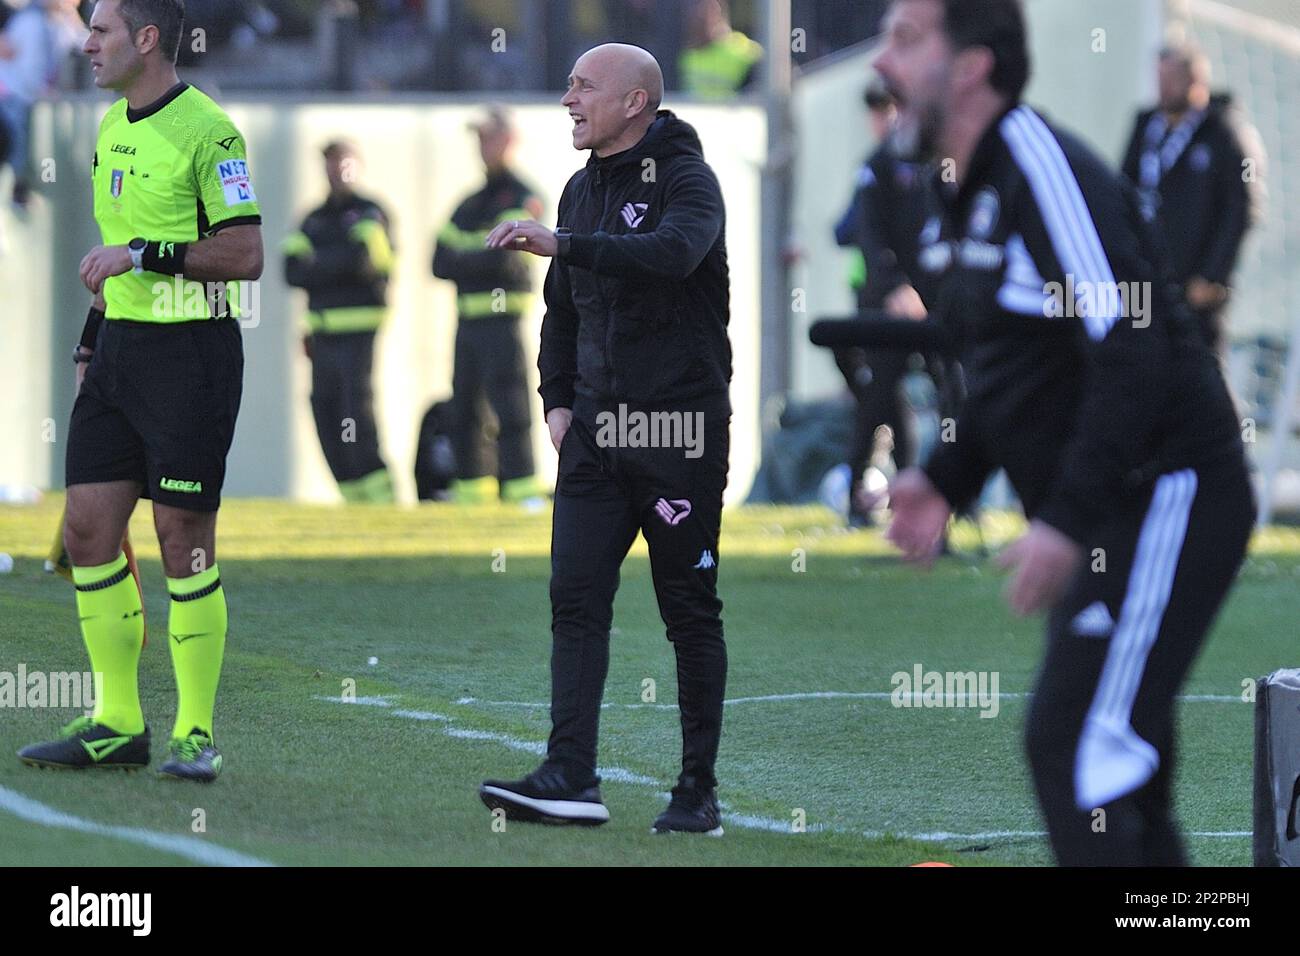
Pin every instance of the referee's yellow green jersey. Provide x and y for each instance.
(175, 171)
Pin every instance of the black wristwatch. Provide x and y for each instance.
(136, 248)
(81, 355)
(562, 237)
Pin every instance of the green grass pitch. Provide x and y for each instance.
(452, 603)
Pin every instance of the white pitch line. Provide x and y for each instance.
(743, 820)
(810, 695)
(617, 774)
(363, 701)
(943, 836)
(530, 705)
(420, 715)
(191, 848)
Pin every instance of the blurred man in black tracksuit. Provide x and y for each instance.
(1088, 382)
(342, 256)
(892, 202)
(637, 305)
(1188, 160)
(493, 293)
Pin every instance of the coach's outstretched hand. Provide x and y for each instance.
(1043, 561)
(920, 515)
(526, 235)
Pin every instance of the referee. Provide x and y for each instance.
(163, 374)
(636, 324)
(1088, 381)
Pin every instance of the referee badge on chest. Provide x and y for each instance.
(985, 209)
(115, 186)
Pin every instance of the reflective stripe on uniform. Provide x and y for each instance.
(462, 240)
(472, 240)
(473, 305)
(514, 214)
(361, 318)
(297, 244)
(372, 235)
(717, 71)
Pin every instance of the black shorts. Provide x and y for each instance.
(158, 406)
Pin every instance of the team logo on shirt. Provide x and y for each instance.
(634, 212)
(985, 209)
(115, 186)
(235, 183)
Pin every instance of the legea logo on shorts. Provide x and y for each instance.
(183, 487)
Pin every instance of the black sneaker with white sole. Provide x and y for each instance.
(692, 809)
(545, 796)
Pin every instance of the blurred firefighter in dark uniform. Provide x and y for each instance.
(719, 61)
(493, 292)
(342, 256)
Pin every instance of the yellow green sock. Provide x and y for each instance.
(375, 488)
(474, 491)
(197, 637)
(521, 489)
(112, 624)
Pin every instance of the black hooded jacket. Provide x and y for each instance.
(637, 310)
(1206, 203)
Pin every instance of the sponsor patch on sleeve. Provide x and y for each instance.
(235, 184)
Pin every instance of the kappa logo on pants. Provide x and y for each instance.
(706, 561)
(673, 512)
